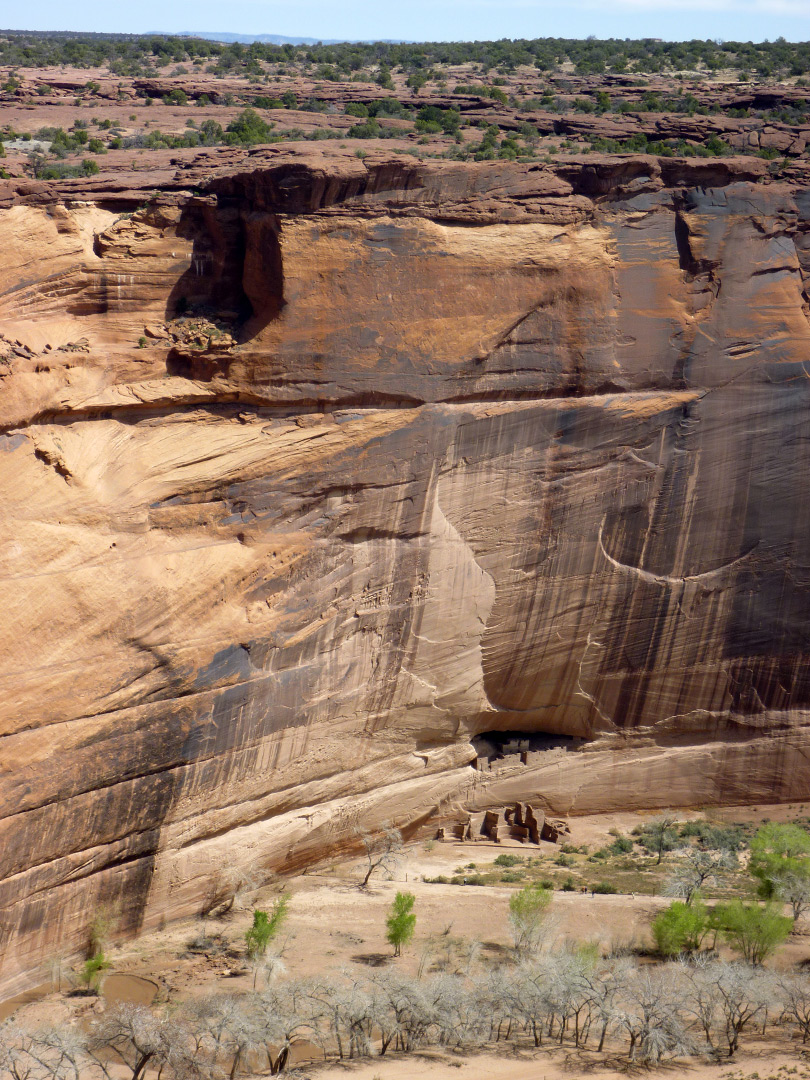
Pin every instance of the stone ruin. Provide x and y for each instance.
(517, 822)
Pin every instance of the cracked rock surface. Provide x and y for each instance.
(313, 468)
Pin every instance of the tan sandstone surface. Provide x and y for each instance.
(314, 467)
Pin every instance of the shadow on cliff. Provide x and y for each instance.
(235, 280)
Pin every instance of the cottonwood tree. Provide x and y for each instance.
(53, 1053)
(569, 973)
(62, 1051)
(355, 1013)
(141, 1039)
(268, 967)
(290, 1014)
(405, 1009)
(754, 930)
(652, 1014)
(528, 992)
(791, 884)
(743, 995)
(698, 868)
(266, 926)
(780, 860)
(16, 1058)
(232, 1028)
(384, 851)
(794, 991)
(605, 992)
(702, 996)
(681, 928)
(497, 999)
(527, 914)
(401, 921)
(457, 1013)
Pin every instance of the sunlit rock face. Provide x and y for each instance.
(458, 448)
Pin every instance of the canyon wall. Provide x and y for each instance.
(314, 467)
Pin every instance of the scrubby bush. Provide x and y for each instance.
(622, 845)
(507, 860)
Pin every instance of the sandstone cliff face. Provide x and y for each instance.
(473, 448)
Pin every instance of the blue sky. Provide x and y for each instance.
(436, 20)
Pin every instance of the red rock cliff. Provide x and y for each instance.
(407, 452)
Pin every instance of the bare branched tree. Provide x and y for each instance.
(698, 868)
(792, 885)
(231, 888)
(652, 1013)
(384, 851)
(744, 994)
(141, 1039)
(794, 991)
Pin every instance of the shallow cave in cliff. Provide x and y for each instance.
(502, 745)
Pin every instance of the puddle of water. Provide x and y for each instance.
(8, 1006)
(128, 990)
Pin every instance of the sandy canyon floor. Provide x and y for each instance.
(335, 925)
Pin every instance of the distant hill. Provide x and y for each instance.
(269, 39)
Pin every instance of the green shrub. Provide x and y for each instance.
(265, 927)
(432, 118)
(714, 837)
(681, 928)
(604, 888)
(92, 971)
(370, 130)
(622, 845)
(248, 128)
(387, 107)
(507, 860)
